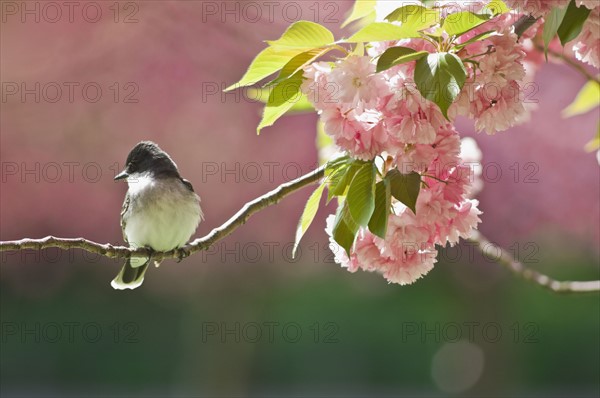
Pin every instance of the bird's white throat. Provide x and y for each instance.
(139, 182)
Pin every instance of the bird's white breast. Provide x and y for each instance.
(163, 213)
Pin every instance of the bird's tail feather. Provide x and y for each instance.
(130, 277)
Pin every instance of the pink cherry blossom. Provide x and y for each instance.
(402, 258)
(445, 221)
(536, 8)
(316, 85)
(415, 157)
(410, 118)
(443, 151)
(412, 265)
(359, 131)
(447, 146)
(494, 108)
(587, 45)
(497, 108)
(465, 220)
(404, 233)
(457, 181)
(491, 96)
(355, 80)
(384, 114)
(504, 63)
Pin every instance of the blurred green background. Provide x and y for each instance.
(469, 328)
(264, 329)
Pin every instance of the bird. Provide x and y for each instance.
(160, 212)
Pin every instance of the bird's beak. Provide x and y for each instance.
(121, 175)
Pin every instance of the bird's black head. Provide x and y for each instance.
(147, 157)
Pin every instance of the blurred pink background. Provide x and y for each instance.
(170, 59)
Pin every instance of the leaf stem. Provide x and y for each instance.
(340, 48)
(491, 49)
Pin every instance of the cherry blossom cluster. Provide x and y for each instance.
(493, 94)
(443, 215)
(383, 115)
(369, 114)
(537, 8)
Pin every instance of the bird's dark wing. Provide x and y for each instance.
(187, 184)
(123, 215)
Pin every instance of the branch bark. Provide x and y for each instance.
(260, 203)
(506, 259)
(110, 251)
(579, 67)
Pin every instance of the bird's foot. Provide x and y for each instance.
(150, 251)
(182, 253)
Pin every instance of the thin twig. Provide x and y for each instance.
(199, 244)
(517, 268)
(261, 203)
(571, 62)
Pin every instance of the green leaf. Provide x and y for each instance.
(282, 99)
(296, 63)
(524, 23)
(336, 164)
(359, 49)
(495, 8)
(381, 31)
(344, 228)
(573, 22)
(383, 203)
(594, 144)
(462, 22)
(587, 99)
(302, 104)
(439, 78)
(299, 37)
(479, 37)
(339, 182)
(414, 16)
(360, 10)
(308, 215)
(405, 187)
(334, 172)
(551, 25)
(361, 194)
(285, 90)
(267, 62)
(303, 35)
(397, 55)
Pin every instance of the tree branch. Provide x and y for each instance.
(199, 244)
(506, 259)
(259, 204)
(571, 62)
